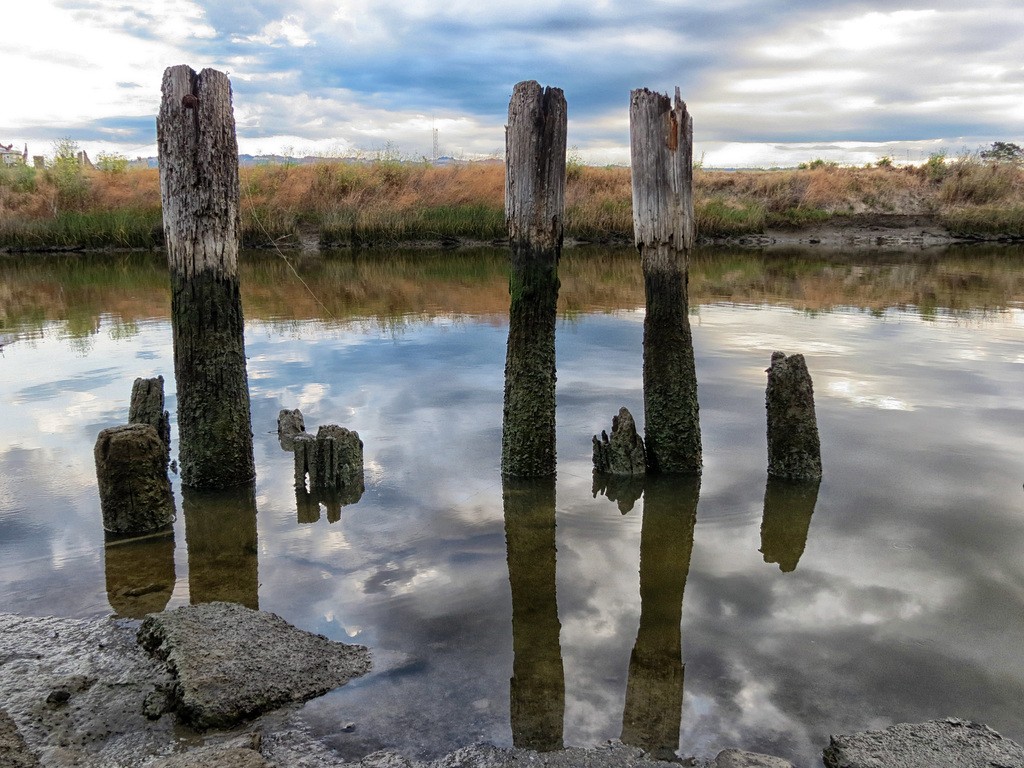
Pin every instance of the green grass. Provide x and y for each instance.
(350, 226)
(717, 218)
(96, 229)
(985, 221)
(798, 217)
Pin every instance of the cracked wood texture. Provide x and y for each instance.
(661, 150)
(200, 196)
(534, 209)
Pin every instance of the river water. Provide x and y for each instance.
(893, 592)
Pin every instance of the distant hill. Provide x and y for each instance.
(250, 160)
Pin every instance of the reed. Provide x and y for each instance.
(384, 202)
(118, 228)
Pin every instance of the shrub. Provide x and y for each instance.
(1003, 152)
(66, 177)
(935, 166)
(111, 162)
(18, 178)
(969, 181)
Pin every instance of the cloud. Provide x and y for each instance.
(754, 74)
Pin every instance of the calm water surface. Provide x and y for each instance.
(894, 594)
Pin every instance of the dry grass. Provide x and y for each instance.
(387, 202)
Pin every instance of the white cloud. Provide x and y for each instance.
(286, 31)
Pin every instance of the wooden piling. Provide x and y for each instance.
(131, 472)
(661, 149)
(534, 209)
(794, 449)
(199, 190)
(147, 407)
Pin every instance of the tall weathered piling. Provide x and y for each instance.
(131, 472)
(654, 689)
(537, 687)
(794, 450)
(200, 195)
(534, 209)
(661, 150)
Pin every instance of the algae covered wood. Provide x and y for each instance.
(200, 196)
(131, 473)
(147, 407)
(661, 150)
(794, 448)
(534, 209)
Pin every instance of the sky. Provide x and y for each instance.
(767, 82)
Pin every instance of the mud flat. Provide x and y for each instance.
(86, 693)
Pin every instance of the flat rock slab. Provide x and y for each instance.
(613, 755)
(212, 757)
(949, 743)
(232, 663)
(14, 752)
(738, 758)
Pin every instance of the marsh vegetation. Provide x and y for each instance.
(386, 201)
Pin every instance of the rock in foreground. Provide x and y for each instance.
(232, 663)
(949, 743)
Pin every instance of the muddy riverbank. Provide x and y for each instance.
(85, 693)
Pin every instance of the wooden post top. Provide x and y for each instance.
(198, 155)
(661, 151)
(535, 166)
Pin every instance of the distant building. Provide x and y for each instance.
(11, 156)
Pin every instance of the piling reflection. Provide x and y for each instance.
(537, 690)
(624, 490)
(788, 506)
(307, 503)
(220, 533)
(140, 571)
(654, 690)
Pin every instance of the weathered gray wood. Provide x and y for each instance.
(200, 195)
(290, 424)
(794, 450)
(147, 407)
(131, 471)
(332, 459)
(661, 149)
(534, 209)
(537, 687)
(623, 452)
